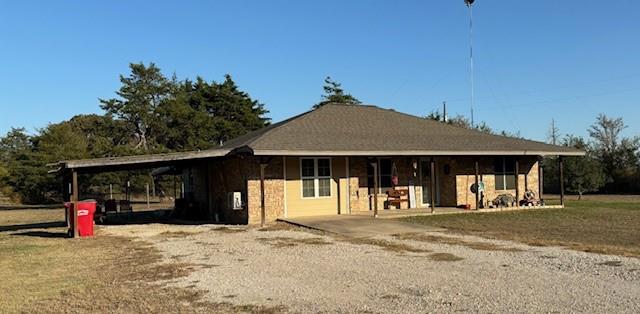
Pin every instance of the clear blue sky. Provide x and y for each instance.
(534, 59)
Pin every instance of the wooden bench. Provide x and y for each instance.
(395, 197)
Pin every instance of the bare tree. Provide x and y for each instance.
(554, 133)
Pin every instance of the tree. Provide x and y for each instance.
(333, 93)
(554, 133)
(618, 155)
(463, 122)
(200, 115)
(582, 173)
(139, 97)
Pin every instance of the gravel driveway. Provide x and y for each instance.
(427, 272)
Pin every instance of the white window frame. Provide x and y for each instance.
(316, 178)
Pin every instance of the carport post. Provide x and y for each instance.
(560, 166)
(74, 200)
(262, 209)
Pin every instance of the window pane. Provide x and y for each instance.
(324, 187)
(307, 168)
(499, 182)
(324, 167)
(308, 189)
(510, 182)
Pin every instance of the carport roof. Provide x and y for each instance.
(139, 161)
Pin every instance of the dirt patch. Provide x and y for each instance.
(178, 234)
(444, 257)
(281, 242)
(384, 244)
(481, 246)
(611, 263)
(229, 230)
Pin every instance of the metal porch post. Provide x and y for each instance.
(262, 201)
(477, 174)
(433, 185)
(517, 177)
(540, 180)
(375, 189)
(560, 169)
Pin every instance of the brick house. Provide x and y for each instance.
(343, 159)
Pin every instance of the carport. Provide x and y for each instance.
(70, 169)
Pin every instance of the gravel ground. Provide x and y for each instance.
(311, 272)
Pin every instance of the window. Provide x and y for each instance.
(316, 177)
(505, 169)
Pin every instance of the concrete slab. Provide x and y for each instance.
(358, 226)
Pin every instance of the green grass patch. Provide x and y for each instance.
(602, 226)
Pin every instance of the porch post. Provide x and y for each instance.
(433, 185)
(262, 209)
(477, 166)
(540, 180)
(517, 177)
(560, 166)
(375, 189)
(74, 199)
(348, 176)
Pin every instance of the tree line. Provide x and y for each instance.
(611, 164)
(151, 113)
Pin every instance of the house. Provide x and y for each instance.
(343, 159)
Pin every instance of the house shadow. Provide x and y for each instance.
(41, 225)
(41, 234)
(160, 216)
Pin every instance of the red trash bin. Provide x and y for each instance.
(86, 210)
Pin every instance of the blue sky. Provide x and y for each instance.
(534, 60)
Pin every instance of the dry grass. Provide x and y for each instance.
(280, 226)
(599, 225)
(384, 244)
(42, 272)
(481, 246)
(282, 242)
(178, 234)
(229, 230)
(444, 257)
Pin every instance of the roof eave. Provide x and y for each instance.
(414, 153)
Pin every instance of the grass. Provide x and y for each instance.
(43, 272)
(607, 225)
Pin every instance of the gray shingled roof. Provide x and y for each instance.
(349, 130)
(368, 130)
